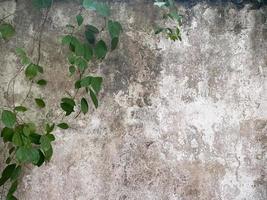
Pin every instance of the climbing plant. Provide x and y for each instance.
(29, 142)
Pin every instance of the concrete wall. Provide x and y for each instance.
(177, 121)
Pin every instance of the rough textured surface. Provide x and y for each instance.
(177, 121)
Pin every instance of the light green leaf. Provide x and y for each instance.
(6, 31)
(8, 118)
(114, 28)
(96, 83)
(100, 7)
(81, 63)
(31, 71)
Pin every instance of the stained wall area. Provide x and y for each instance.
(177, 120)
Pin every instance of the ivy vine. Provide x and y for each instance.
(30, 142)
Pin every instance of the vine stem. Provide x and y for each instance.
(39, 52)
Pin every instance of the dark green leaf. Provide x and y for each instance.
(12, 189)
(40, 102)
(114, 43)
(49, 128)
(78, 84)
(8, 118)
(92, 29)
(7, 134)
(96, 83)
(81, 63)
(46, 147)
(16, 173)
(114, 28)
(72, 69)
(94, 98)
(41, 82)
(67, 105)
(90, 36)
(41, 158)
(31, 71)
(42, 3)
(63, 125)
(27, 155)
(20, 109)
(84, 106)
(6, 31)
(7, 172)
(79, 19)
(101, 49)
(86, 81)
(35, 138)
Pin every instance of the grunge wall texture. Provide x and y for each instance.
(177, 121)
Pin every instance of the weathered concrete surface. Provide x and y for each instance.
(177, 121)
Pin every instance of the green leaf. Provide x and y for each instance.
(79, 49)
(92, 29)
(88, 52)
(51, 137)
(49, 128)
(8, 118)
(46, 147)
(101, 49)
(94, 98)
(23, 56)
(114, 43)
(6, 174)
(41, 158)
(35, 138)
(78, 84)
(31, 71)
(27, 155)
(16, 173)
(20, 109)
(84, 106)
(6, 31)
(114, 28)
(7, 134)
(79, 20)
(42, 3)
(99, 7)
(12, 189)
(86, 81)
(90, 36)
(16, 139)
(40, 102)
(96, 83)
(71, 58)
(41, 82)
(72, 69)
(67, 39)
(81, 63)
(63, 125)
(67, 104)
